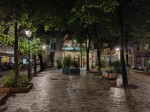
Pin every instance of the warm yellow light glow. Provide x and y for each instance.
(44, 47)
(28, 33)
(117, 49)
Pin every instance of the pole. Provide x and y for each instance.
(92, 61)
(29, 68)
(16, 54)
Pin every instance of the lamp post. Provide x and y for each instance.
(45, 54)
(28, 34)
(117, 52)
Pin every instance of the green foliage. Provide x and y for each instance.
(8, 81)
(116, 63)
(83, 50)
(117, 66)
(75, 64)
(148, 66)
(83, 10)
(148, 63)
(33, 45)
(118, 69)
(59, 62)
(148, 71)
(23, 45)
(23, 81)
(6, 34)
(110, 71)
(66, 61)
(102, 63)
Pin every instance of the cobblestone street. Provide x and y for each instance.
(55, 92)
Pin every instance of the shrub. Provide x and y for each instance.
(117, 66)
(23, 81)
(148, 71)
(148, 65)
(66, 61)
(116, 63)
(59, 62)
(8, 81)
(75, 64)
(110, 71)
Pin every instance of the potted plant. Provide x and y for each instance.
(148, 67)
(117, 66)
(66, 64)
(110, 74)
(75, 68)
(59, 63)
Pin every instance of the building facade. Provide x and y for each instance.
(6, 54)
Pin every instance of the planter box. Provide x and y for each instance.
(65, 70)
(109, 75)
(94, 70)
(74, 71)
(59, 67)
(16, 90)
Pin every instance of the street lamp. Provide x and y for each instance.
(28, 34)
(117, 49)
(44, 47)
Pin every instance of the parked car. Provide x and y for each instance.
(132, 67)
(138, 67)
(141, 67)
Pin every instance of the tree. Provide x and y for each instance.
(130, 14)
(12, 14)
(89, 14)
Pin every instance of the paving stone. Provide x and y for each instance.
(88, 92)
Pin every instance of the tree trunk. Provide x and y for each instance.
(110, 61)
(42, 67)
(29, 65)
(35, 66)
(126, 51)
(80, 55)
(99, 60)
(99, 47)
(16, 76)
(87, 55)
(124, 72)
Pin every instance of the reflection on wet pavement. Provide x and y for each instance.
(87, 92)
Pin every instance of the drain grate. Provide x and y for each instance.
(54, 78)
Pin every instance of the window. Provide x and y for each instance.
(52, 45)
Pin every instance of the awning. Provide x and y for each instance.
(6, 54)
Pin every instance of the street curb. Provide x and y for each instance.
(3, 98)
(137, 71)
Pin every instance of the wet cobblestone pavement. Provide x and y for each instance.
(55, 92)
